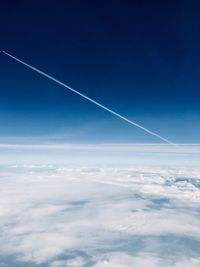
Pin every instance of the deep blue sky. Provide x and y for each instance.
(140, 58)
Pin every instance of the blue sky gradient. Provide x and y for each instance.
(140, 59)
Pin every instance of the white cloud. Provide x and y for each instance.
(147, 148)
(143, 260)
(125, 260)
(100, 217)
(191, 262)
(75, 262)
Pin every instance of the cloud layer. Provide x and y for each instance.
(148, 148)
(59, 216)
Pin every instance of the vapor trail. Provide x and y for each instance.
(90, 99)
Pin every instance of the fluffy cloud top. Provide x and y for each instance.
(60, 216)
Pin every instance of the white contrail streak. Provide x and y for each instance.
(89, 99)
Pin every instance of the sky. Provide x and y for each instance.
(139, 58)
